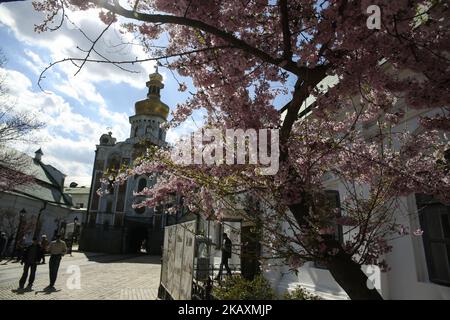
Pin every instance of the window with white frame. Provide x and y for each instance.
(333, 199)
(434, 220)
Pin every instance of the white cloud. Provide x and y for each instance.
(63, 43)
(80, 90)
(69, 138)
(34, 62)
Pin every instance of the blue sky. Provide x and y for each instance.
(77, 109)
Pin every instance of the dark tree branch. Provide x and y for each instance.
(301, 92)
(62, 18)
(94, 50)
(287, 65)
(287, 52)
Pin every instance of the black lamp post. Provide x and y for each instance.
(75, 229)
(19, 227)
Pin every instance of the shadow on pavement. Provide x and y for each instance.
(18, 291)
(47, 291)
(22, 291)
(101, 258)
(122, 258)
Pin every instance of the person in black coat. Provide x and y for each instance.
(3, 241)
(226, 254)
(30, 258)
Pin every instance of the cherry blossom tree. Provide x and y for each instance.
(241, 55)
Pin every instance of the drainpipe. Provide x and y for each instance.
(38, 219)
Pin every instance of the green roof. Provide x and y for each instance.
(48, 184)
(77, 190)
(47, 193)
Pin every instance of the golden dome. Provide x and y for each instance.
(156, 77)
(152, 106)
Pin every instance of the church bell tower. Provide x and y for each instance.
(150, 114)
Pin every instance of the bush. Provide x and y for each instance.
(238, 288)
(300, 294)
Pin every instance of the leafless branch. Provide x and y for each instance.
(287, 54)
(85, 60)
(92, 47)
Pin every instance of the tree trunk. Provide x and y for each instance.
(346, 272)
(351, 278)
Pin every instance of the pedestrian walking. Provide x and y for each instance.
(44, 247)
(69, 244)
(143, 246)
(3, 242)
(226, 254)
(30, 258)
(19, 249)
(8, 252)
(57, 250)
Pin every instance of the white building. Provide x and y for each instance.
(419, 265)
(79, 195)
(44, 205)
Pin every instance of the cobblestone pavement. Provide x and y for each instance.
(102, 277)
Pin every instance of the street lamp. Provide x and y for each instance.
(75, 229)
(57, 222)
(19, 227)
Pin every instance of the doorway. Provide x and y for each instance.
(137, 237)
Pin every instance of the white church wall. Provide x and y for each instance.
(408, 276)
(50, 218)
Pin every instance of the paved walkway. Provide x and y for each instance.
(102, 277)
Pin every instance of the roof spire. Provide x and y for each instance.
(38, 154)
(153, 105)
(155, 84)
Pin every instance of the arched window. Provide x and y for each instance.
(141, 185)
(109, 207)
(140, 210)
(114, 162)
(136, 131)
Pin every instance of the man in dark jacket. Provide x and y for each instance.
(44, 247)
(226, 254)
(30, 258)
(3, 241)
